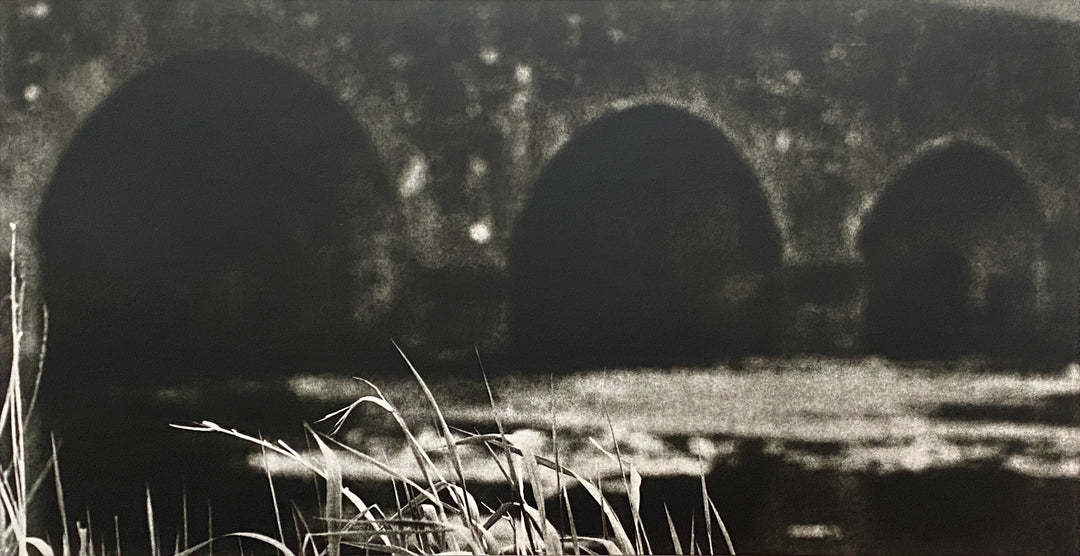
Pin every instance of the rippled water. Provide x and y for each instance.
(810, 454)
(847, 415)
(800, 455)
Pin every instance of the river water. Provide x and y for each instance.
(820, 455)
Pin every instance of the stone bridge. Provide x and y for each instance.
(273, 187)
(237, 190)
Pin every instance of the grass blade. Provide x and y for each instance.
(723, 528)
(430, 495)
(333, 495)
(633, 496)
(40, 545)
(705, 508)
(184, 512)
(677, 546)
(515, 482)
(693, 536)
(210, 527)
(116, 530)
(278, 545)
(89, 534)
(84, 539)
(532, 472)
(419, 454)
(150, 524)
(444, 429)
(273, 500)
(608, 546)
(448, 437)
(66, 540)
(570, 518)
(632, 485)
(621, 539)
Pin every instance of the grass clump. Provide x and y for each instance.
(16, 489)
(438, 514)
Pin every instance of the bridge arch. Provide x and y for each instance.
(204, 220)
(954, 259)
(647, 240)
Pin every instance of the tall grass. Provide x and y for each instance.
(16, 490)
(438, 513)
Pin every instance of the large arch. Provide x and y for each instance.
(203, 214)
(953, 251)
(647, 240)
(205, 222)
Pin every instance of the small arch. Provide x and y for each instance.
(951, 252)
(647, 240)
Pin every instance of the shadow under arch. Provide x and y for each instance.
(647, 241)
(202, 213)
(952, 252)
(202, 224)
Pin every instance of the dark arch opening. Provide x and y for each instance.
(205, 223)
(647, 241)
(202, 214)
(952, 252)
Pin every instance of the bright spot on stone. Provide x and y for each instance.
(783, 140)
(478, 166)
(401, 92)
(414, 178)
(473, 110)
(480, 232)
(794, 77)
(832, 115)
(40, 10)
(523, 74)
(939, 142)
(1060, 122)
(489, 55)
(32, 92)
(519, 101)
(309, 20)
(616, 36)
(559, 134)
(399, 60)
(854, 138)
(837, 52)
(573, 22)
